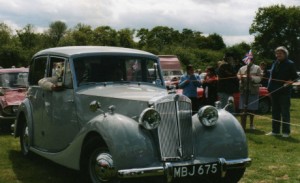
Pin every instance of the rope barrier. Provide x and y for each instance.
(287, 83)
(292, 124)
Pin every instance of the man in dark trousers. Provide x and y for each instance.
(282, 75)
(227, 85)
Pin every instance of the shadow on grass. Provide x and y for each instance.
(288, 139)
(36, 169)
(261, 132)
(255, 132)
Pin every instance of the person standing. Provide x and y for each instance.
(265, 74)
(282, 74)
(189, 83)
(227, 85)
(209, 85)
(249, 78)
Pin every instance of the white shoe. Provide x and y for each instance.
(285, 135)
(273, 134)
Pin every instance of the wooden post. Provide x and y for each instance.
(244, 115)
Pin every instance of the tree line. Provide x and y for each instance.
(272, 26)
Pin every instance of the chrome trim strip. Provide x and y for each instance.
(7, 117)
(179, 149)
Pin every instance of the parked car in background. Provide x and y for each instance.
(113, 120)
(13, 86)
(296, 88)
(171, 69)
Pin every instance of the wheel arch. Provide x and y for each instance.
(21, 120)
(124, 138)
(23, 115)
(92, 138)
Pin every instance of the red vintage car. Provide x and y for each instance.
(13, 87)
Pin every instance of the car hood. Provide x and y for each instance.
(14, 96)
(128, 100)
(126, 92)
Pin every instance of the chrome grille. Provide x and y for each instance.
(175, 131)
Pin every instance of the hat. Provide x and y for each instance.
(282, 48)
(188, 67)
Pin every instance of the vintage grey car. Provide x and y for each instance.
(114, 121)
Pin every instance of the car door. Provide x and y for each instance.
(35, 95)
(59, 115)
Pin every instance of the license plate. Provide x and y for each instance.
(196, 170)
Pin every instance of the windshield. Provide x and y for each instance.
(13, 80)
(116, 69)
(179, 73)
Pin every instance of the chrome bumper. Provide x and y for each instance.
(7, 117)
(167, 169)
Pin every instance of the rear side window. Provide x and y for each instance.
(37, 70)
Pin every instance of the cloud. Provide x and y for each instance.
(231, 18)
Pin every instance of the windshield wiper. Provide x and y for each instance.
(126, 82)
(87, 83)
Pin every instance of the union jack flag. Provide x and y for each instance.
(248, 58)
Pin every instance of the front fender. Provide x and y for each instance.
(130, 144)
(224, 140)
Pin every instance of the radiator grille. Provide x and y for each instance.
(175, 131)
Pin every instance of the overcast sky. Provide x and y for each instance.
(229, 18)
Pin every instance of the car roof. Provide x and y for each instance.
(83, 50)
(13, 70)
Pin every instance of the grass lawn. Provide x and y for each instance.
(275, 159)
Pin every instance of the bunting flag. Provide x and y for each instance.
(248, 58)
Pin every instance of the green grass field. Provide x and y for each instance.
(275, 159)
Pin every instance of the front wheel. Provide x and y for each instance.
(24, 140)
(233, 176)
(97, 163)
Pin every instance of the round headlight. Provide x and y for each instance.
(150, 119)
(208, 115)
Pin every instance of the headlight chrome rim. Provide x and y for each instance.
(150, 119)
(208, 116)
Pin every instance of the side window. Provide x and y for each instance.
(59, 67)
(37, 70)
(56, 67)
